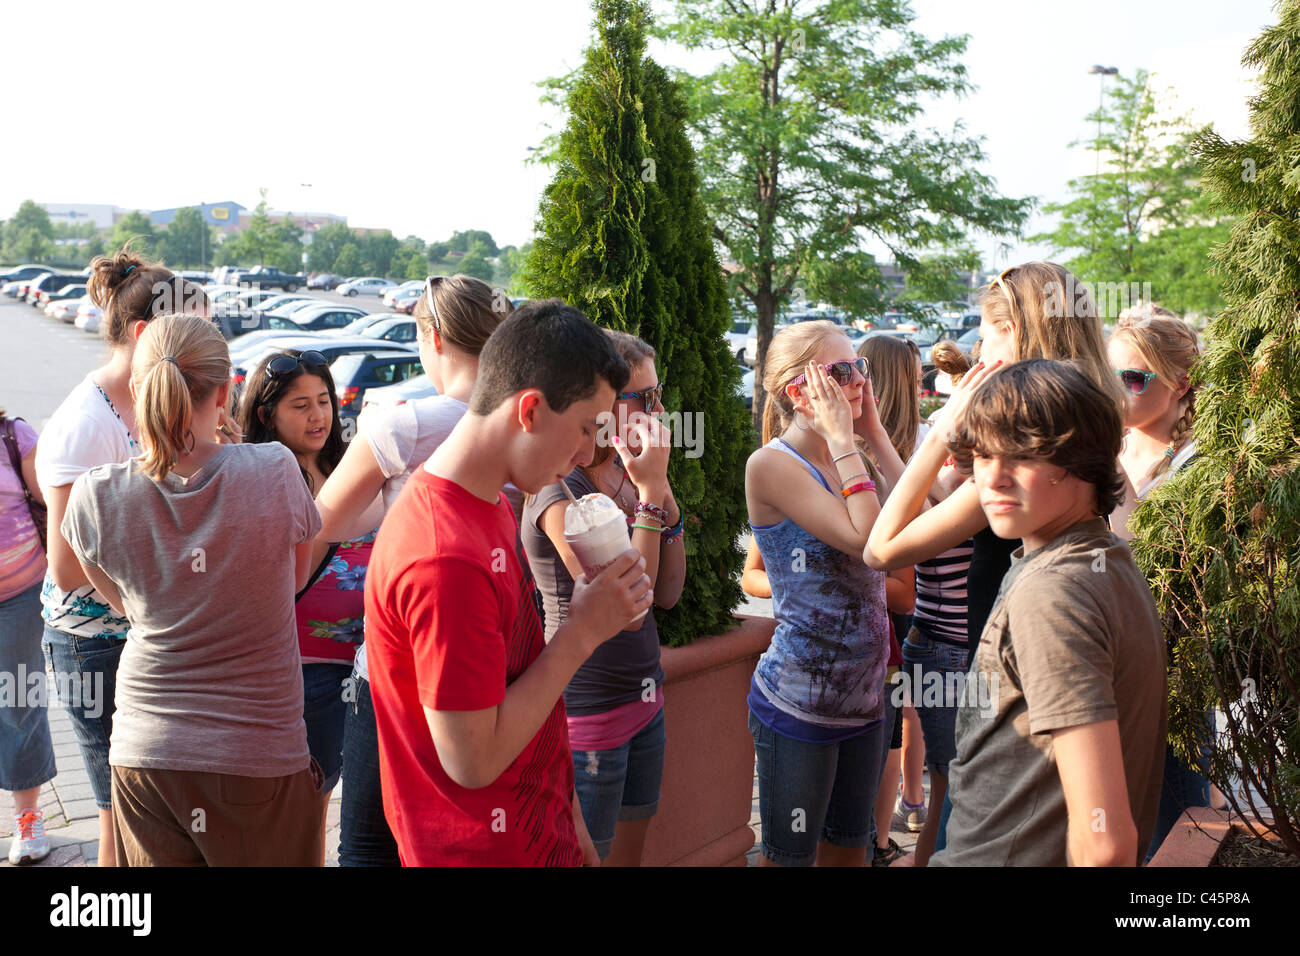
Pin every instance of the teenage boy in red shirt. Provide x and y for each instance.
(474, 754)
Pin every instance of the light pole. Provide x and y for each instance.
(1103, 72)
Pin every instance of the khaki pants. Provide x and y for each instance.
(190, 818)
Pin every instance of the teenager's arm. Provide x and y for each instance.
(775, 480)
(104, 585)
(900, 590)
(1091, 765)
(65, 569)
(475, 747)
(347, 501)
(905, 534)
(754, 580)
(305, 561)
(672, 561)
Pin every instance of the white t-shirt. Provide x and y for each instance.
(402, 437)
(84, 432)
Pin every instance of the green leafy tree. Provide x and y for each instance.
(438, 251)
(474, 263)
(377, 251)
(635, 252)
(326, 244)
(138, 227)
(259, 241)
(183, 242)
(811, 145)
(94, 247)
(29, 235)
(464, 241)
(1218, 540)
(1142, 218)
(348, 264)
(286, 255)
(410, 263)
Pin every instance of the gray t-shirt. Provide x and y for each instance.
(1074, 639)
(616, 671)
(210, 678)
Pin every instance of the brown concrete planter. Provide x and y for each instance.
(708, 785)
(1195, 838)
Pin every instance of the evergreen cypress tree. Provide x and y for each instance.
(1220, 540)
(623, 236)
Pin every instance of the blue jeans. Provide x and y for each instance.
(621, 783)
(364, 837)
(928, 664)
(26, 753)
(322, 711)
(810, 792)
(85, 672)
(1182, 787)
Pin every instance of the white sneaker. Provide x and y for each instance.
(30, 844)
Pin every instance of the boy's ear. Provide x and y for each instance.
(527, 407)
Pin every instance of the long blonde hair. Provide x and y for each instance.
(788, 353)
(1170, 348)
(179, 360)
(1054, 317)
(893, 364)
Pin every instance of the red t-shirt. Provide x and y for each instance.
(451, 622)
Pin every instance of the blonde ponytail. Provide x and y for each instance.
(179, 361)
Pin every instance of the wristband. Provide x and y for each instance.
(648, 527)
(861, 474)
(860, 486)
(673, 533)
(653, 510)
(847, 454)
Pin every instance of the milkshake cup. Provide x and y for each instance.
(596, 529)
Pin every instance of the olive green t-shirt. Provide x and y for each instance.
(1074, 639)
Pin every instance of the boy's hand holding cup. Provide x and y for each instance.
(604, 605)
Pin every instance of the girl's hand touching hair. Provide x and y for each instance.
(228, 430)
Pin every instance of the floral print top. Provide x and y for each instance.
(331, 613)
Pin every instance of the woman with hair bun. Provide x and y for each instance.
(96, 425)
(201, 546)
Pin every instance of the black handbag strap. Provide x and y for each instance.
(15, 459)
(315, 575)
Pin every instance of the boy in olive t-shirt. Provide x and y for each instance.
(1061, 732)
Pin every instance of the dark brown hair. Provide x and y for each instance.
(1048, 410)
(129, 288)
(264, 391)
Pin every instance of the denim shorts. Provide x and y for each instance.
(322, 710)
(85, 674)
(926, 666)
(620, 784)
(26, 752)
(811, 792)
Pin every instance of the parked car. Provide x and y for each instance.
(736, 337)
(358, 325)
(74, 291)
(325, 315)
(87, 316)
(50, 282)
(23, 272)
(418, 386)
(367, 285)
(355, 373)
(414, 285)
(746, 388)
(16, 288)
(404, 300)
(330, 348)
(325, 280)
(287, 309)
(394, 329)
(751, 341)
(65, 310)
(284, 298)
(269, 277)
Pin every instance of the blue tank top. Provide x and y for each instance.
(825, 667)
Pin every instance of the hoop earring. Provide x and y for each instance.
(802, 428)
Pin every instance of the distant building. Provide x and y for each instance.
(72, 214)
(223, 215)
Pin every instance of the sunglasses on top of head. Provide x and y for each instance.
(287, 364)
(842, 372)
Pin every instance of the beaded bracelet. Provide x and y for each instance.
(671, 534)
(860, 486)
(653, 510)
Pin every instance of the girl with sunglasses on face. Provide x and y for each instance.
(1153, 353)
(290, 398)
(615, 701)
(96, 425)
(455, 317)
(200, 545)
(816, 700)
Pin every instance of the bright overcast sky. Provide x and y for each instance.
(418, 117)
